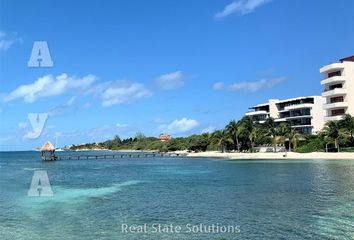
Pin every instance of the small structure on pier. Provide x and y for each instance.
(48, 152)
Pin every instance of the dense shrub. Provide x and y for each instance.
(312, 144)
(348, 149)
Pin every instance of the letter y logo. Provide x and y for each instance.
(37, 121)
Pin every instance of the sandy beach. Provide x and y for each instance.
(272, 156)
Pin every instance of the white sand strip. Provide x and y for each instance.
(289, 155)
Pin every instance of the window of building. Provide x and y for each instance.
(301, 121)
(284, 114)
(337, 99)
(337, 112)
(333, 74)
(339, 85)
(306, 130)
(261, 117)
(300, 112)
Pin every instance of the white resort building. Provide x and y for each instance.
(303, 113)
(338, 91)
(309, 114)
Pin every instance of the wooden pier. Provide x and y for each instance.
(118, 156)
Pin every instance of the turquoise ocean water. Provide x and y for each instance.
(95, 199)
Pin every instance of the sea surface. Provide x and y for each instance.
(100, 198)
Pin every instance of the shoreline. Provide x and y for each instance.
(272, 156)
(253, 156)
(244, 156)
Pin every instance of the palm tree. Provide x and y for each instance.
(221, 139)
(233, 128)
(254, 135)
(207, 136)
(347, 123)
(286, 132)
(271, 131)
(294, 138)
(247, 128)
(283, 131)
(333, 134)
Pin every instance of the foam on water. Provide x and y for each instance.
(32, 169)
(179, 171)
(74, 195)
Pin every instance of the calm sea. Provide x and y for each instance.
(100, 199)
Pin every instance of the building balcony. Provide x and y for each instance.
(253, 113)
(328, 106)
(331, 67)
(280, 120)
(301, 126)
(331, 80)
(333, 118)
(299, 106)
(283, 110)
(299, 116)
(334, 92)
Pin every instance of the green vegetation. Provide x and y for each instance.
(243, 136)
(311, 143)
(349, 149)
(334, 136)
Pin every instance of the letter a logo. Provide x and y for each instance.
(40, 56)
(40, 186)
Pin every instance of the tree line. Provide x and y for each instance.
(244, 136)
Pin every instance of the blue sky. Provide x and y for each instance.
(181, 67)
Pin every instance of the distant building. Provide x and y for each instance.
(309, 114)
(302, 113)
(338, 86)
(164, 137)
(263, 111)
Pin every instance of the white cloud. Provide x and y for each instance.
(86, 105)
(6, 41)
(124, 93)
(208, 129)
(170, 80)
(58, 134)
(182, 125)
(111, 92)
(242, 7)
(159, 120)
(5, 139)
(62, 107)
(218, 85)
(70, 101)
(100, 133)
(50, 86)
(255, 86)
(22, 125)
(31, 135)
(121, 125)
